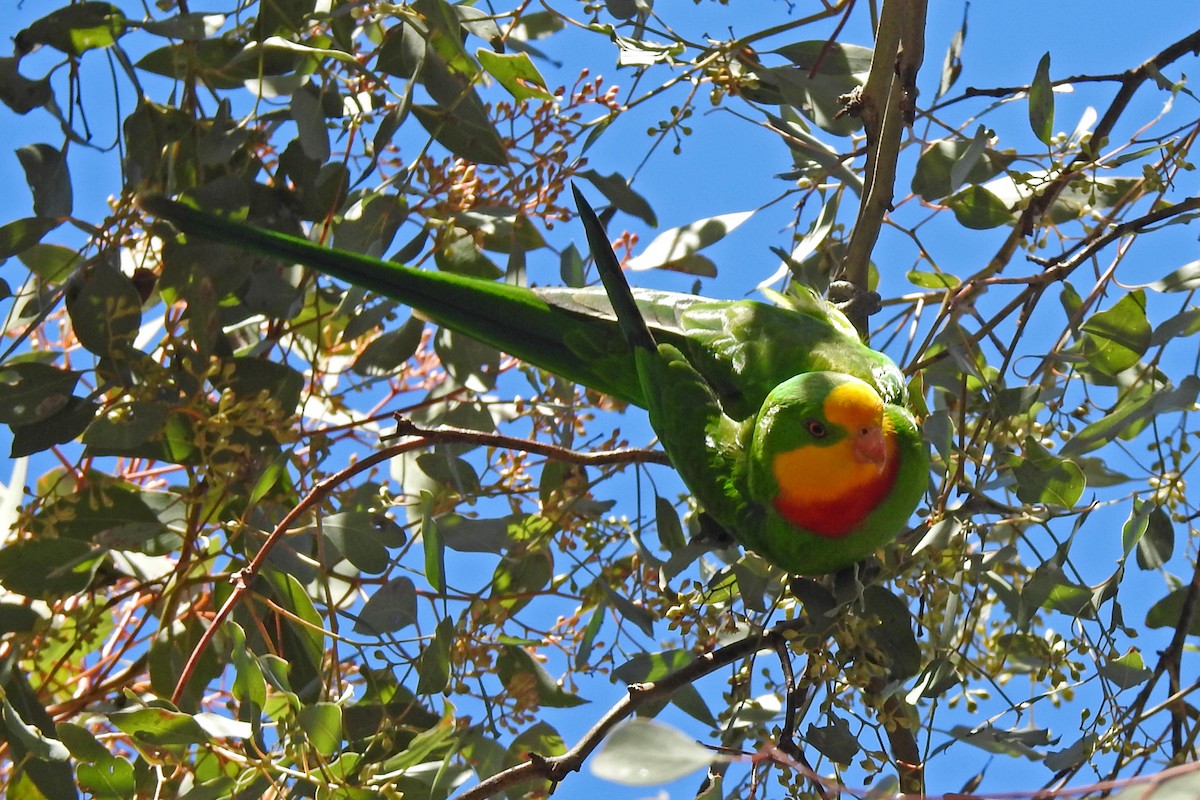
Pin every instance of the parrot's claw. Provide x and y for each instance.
(853, 301)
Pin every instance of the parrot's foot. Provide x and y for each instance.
(852, 301)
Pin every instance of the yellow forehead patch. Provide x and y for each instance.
(853, 405)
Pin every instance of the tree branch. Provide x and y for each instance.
(885, 104)
(556, 768)
(449, 433)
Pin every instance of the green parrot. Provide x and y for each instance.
(791, 433)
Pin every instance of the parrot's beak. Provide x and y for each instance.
(870, 447)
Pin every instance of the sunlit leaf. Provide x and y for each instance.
(1184, 279)
(644, 752)
(1045, 478)
(678, 244)
(1114, 339)
(1126, 671)
(516, 73)
(322, 726)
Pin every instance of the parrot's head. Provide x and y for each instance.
(825, 452)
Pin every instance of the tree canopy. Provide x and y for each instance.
(269, 534)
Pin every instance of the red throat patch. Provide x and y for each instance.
(830, 511)
(834, 518)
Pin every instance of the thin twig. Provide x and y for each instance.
(449, 433)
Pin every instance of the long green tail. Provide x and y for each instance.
(516, 320)
(633, 325)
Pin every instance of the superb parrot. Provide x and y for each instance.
(792, 434)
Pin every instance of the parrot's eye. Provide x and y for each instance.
(815, 429)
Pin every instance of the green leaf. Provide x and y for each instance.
(821, 72)
(1041, 102)
(433, 665)
(21, 234)
(83, 745)
(1135, 525)
(891, 632)
(1157, 545)
(390, 349)
(369, 225)
(109, 779)
(34, 741)
(1168, 611)
(103, 511)
(249, 685)
(463, 135)
(1116, 338)
(1024, 653)
(253, 378)
(301, 637)
(48, 568)
(835, 741)
(673, 248)
(670, 532)
(617, 191)
(106, 311)
(192, 27)
(978, 208)
(629, 610)
(1125, 672)
(516, 73)
(16, 618)
(19, 93)
(952, 63)
(363, 538)
(1132, 413)
(1184, 279)
(153, 728)
(50, 262)
(218, 62)
(519, 577)
(1046, 479)
(434, 549)
(932, 280)
(48, 178)
(1180, 326)
(584, 652)
(515, 667)
(648, 667)
(392, 607)
(468, 535)
(949, 163)
(322, 726)
(31, 391)
(644, 752)
(310, 122)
